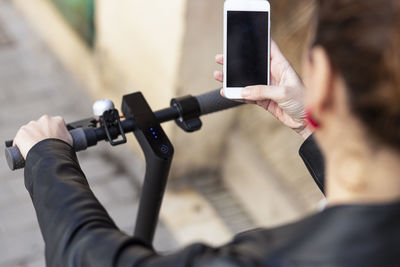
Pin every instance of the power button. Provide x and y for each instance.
(164, 149)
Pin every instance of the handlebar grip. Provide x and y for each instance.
(16, 161)
(79, 139)
(14, 158)
(213, 102)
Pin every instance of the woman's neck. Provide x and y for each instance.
(358, 173)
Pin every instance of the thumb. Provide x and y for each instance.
(263, 92)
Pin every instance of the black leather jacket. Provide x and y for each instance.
(78, 231)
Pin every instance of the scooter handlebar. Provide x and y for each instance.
(213, 102)
(209, 103)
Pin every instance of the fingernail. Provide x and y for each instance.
(246, 92)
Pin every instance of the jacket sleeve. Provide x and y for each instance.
(314, 161)
(78, 231)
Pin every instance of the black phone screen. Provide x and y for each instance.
(247, 48)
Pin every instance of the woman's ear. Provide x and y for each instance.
(320, 81)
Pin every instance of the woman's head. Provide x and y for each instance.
(356, 46)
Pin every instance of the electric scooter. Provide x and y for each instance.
(145, 124)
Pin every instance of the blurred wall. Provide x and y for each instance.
(139, 46)
(165, 49)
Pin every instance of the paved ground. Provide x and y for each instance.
(32, 83)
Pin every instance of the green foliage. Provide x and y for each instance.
(80, 15)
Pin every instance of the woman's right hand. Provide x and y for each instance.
(44, 128)
(284, 99)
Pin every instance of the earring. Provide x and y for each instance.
(310, 119)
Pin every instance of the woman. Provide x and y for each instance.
(353, 102)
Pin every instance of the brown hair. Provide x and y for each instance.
(362, 40)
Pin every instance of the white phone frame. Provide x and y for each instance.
(243, 5)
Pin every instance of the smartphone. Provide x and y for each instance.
(247, 45)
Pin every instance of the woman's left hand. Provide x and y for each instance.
(284, 99)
